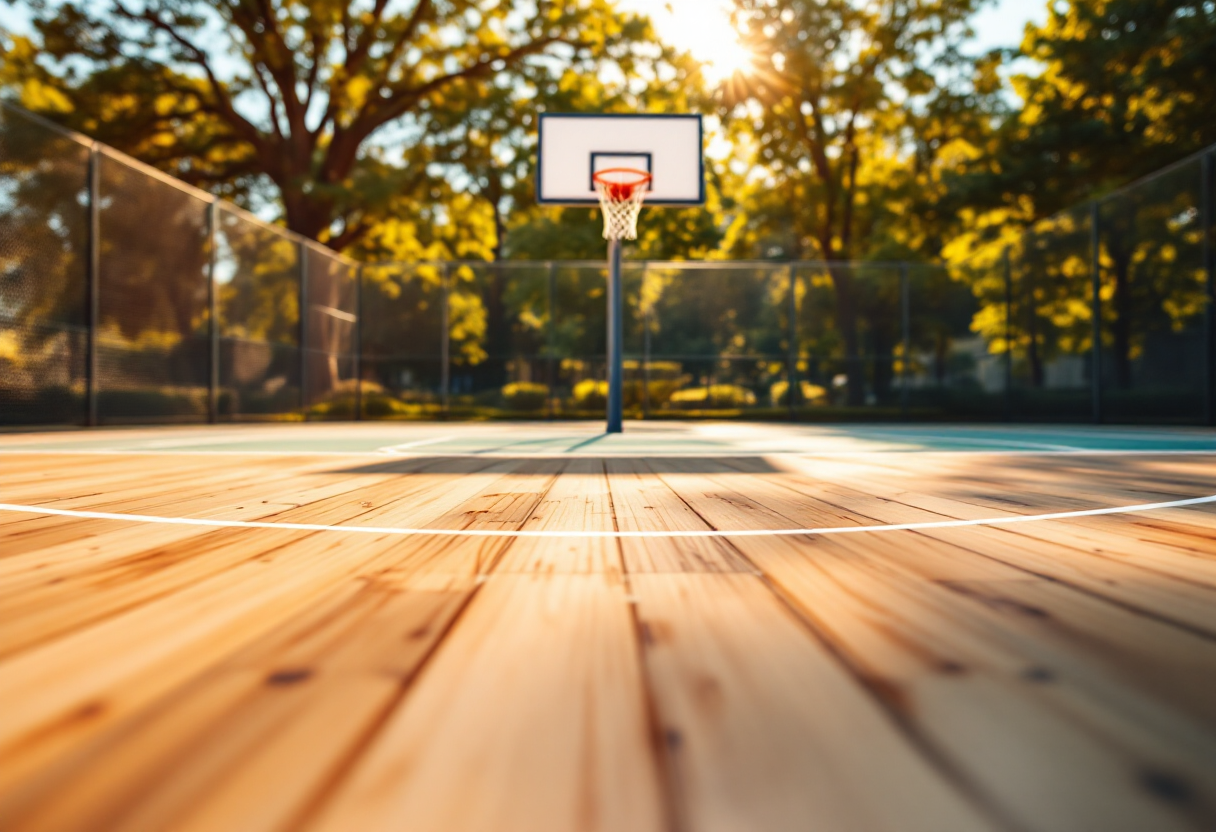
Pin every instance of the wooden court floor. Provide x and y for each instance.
(1058, 674)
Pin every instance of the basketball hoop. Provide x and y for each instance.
(621, 192)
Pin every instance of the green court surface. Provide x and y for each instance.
(639, 439)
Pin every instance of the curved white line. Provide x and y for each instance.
(392, 530)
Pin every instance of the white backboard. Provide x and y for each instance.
(573, 146)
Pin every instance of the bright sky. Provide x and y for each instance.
(703, 28)
(1002, 23)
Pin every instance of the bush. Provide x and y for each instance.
(47, 406)
(525, 395)
(380, 405)
(713, 397)
(141, 403)
(590, 394)
(812, 394)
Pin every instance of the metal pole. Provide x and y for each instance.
(93, 275)
(1008, 336)
(615, 337)
(358, 343)
(303, 332)
(791, 368)
(445, 373)
(1207, 191)
(906, 331)
(549, 339)
(213, 307)
(645, 344)
(1095, 236)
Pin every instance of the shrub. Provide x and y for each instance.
(812, 394)
(590, 394)
(525, 395)
(379, 405)
(713, 397)
(152, 402)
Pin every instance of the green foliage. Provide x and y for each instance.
(522, 395)
(292, 101)
(1125, 88)
(812, 394)
(712, 397)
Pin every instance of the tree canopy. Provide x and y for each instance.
(299, 97)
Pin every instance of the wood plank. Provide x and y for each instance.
(58, 600)
(250, 743)
(766, 731)
(1147, 578)
(1178, 666)
(747, 748)
(57, 696)
(928, 652)
(643, 503)
(534, 705)
(579, 499)
(78, 546)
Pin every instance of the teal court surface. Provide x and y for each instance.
(539, 626)
(640, 438)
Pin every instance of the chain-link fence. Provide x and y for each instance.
(44, 254)
(701, 339)
(126, 296)
(1105, 312)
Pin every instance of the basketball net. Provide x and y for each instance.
(621, 192)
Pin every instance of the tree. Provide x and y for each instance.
(296, 93)
(1124, 90)
(842, 90)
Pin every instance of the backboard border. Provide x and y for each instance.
(674, 203)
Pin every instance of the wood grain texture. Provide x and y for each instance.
(1045, 676)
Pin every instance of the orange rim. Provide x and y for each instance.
(621, 189)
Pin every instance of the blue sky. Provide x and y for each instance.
(1002, 23)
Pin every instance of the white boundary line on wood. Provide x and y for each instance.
(392, 530)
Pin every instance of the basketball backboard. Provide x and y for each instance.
(574, 146)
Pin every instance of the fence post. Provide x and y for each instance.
(791, 369)
(1095, 236)
(359, 343)
(1008, 362)
(550, 345)
(93, 275)
(445, 373)
(1207, 193)
(906, 332)
(303, 333)
(213, 308)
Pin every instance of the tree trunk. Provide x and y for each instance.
(500, 231)
(1122, 325)
(1032, 348)
(846, 322)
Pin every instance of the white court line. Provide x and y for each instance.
(397, 449)
(393, 530)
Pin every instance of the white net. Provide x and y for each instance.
(621, 195)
